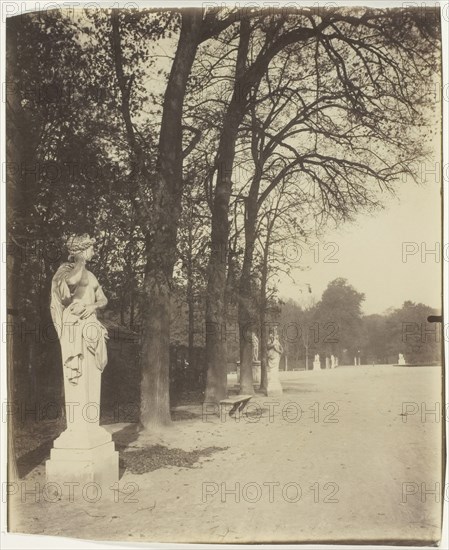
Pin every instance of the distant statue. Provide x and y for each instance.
(76, 296)
(274, 348)
(274, 352)
(255, 346)
(401, 360)
(316, 362)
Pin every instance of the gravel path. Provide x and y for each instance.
(335, 459)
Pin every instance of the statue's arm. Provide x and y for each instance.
(100, 299)
(60, 292)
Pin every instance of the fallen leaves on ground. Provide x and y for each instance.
(157, 456)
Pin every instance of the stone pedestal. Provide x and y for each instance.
(84, 456)
(273, 383)
(256, 372)
(84, 452)
(274, 387)
(99, 465)
(317, 365)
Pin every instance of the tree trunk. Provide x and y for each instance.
(161, 251)
(131, 308)
(246, 82)
(216, 275)
(155, 397)
(190, 300)
(263, 353)
(263, 338)
(216, 271)
(216, 386)
(263, 309)
(122, 308)
(246, 309)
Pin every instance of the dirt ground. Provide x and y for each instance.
(351, 454)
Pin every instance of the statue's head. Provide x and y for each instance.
(80, 244)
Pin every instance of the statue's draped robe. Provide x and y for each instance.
(274, 352)
(83, 341)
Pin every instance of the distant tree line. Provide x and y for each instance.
(335, 325)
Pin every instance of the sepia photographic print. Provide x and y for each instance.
(223, 262)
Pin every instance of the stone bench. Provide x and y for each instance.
(238, 403)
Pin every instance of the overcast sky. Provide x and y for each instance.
(370, 253)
